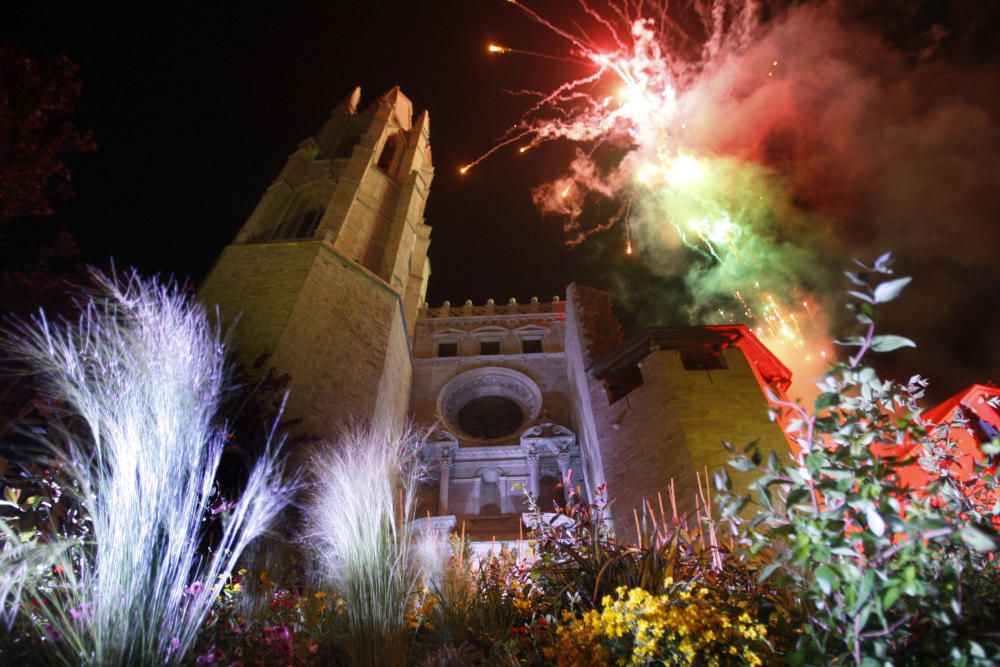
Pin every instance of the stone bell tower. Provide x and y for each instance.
(327, 274)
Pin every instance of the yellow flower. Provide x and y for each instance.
(634, 627)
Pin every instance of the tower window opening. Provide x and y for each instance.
(622, 383)
(703, 360)
(489, 347)
(386, 157)
(345, 147)
(447, 349)
(300, 226)
(531, 346)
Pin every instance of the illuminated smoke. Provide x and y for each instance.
(751, 159)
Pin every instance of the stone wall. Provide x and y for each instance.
(670, 427)
(334, 327)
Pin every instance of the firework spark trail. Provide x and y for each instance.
(501, 49)
(637, 96)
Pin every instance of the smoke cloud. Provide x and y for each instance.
(880, 148)
(787, 147)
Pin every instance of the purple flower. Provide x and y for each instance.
(193, 589)
(51, 633)
(81, 613)
(212, 657)
(175, 643)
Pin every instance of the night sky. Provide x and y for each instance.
(196, 107)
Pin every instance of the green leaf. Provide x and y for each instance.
(978, 539)
(883, 261)
(826, 400)
(890, 598)
(856, 278)
(735, 506)
(875, 521)
(768, 570)
(861, 296)
(764, 498)
(781, 531)
(890, 343)
(12, 493)
(890, 289)
(723, 482)
(852, 341)
(990, 448)
(743, 464)
(796, 496)
(827, 579)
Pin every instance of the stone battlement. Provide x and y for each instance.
(512, 307)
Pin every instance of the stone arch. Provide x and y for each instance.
(390, 150)
(303, 214)
(550, 488)
(491, 387)
(490, 494)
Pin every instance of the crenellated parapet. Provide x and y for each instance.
(490, 329)
(512, 307)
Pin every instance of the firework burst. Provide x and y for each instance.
(643, 74)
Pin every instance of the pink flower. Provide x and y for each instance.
(194, 588)
(80, 613)
(212, 657)
(51, 633)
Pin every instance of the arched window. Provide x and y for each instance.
(489, 493)
(301, 225)
(550, 492)
(427, 498)
(388, 154)
(345, 147)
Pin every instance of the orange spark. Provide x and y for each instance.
(497, 48)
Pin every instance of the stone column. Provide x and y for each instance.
(446, 461)
(562, 457)
(533, 459)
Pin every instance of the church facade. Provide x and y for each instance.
(328, 277)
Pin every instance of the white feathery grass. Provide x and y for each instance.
(432, 550)
(142, 370)
(359, 529)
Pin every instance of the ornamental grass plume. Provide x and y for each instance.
(140, 375)
(359, 517)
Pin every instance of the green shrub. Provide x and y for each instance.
(883, 574)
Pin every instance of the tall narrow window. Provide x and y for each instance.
(388, 154)
(345, 147)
